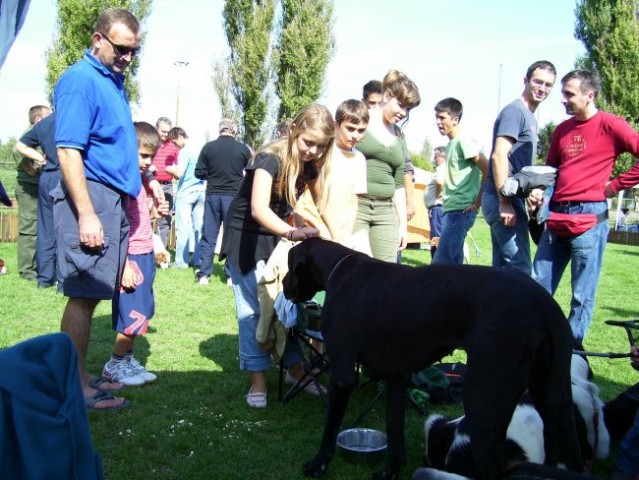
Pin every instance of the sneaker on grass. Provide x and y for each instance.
(122, 372)
(141, 371)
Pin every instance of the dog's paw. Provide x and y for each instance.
(315, 468)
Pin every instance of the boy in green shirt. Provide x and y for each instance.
(466, 168)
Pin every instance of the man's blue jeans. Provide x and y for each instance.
(455, 227)
(164, 223)
(628, 453)
(511, 245)
(189, 215)
(585, 253)
(215, 207)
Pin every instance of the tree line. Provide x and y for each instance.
(279, 52)
(609, 32)
(280, 49)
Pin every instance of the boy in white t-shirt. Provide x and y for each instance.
(346, 179)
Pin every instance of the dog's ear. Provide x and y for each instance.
(298, 283)
(291, 281)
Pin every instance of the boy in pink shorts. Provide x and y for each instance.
(135, 305)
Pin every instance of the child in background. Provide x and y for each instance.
(135, 305)
(347, 179)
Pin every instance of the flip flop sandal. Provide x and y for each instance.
(100, 396)
(98, 382)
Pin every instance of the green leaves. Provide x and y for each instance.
(610, 33)
(75, 25)
(289, 58)
(305, 47)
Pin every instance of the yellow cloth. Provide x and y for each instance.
(270, 333)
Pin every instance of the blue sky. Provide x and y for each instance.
(458, 48)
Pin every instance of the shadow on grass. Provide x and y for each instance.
(197, 425)
(222, 350)
(617, 313)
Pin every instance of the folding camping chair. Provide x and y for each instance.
(380, 394)
(304, 337)
(632, 331)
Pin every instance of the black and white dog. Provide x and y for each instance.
(397, 320)
(448, 444)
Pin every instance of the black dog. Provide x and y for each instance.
(397, 320)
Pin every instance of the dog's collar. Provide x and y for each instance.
(328, 280)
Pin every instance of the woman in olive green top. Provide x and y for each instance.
(382, 210)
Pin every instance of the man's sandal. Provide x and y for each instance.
(103, 384)
(101, 396)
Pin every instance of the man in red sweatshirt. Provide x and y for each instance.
(583, 149)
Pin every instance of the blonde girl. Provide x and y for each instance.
(258, 218)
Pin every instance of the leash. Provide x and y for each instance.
(328, 280)
(601, 354)
(590, 464)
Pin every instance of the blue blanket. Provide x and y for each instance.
(44, 429)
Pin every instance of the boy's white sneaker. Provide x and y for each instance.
(141, 371)
(122, 372)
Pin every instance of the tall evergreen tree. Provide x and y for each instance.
(609, 31)
(75, 25)
(304, 49)
(248, 25)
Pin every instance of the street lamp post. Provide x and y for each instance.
(181, 65)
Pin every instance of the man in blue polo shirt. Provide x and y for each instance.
(97, 149)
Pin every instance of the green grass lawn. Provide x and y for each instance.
(194, 422)
(8, 179)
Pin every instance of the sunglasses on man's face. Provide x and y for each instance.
(121, 50)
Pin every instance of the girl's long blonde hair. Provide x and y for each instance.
(314, 117)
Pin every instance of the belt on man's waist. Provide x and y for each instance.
(373, 197)
(573, 203)
(169, 182)
(563, 207)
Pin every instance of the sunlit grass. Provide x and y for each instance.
(194, 423)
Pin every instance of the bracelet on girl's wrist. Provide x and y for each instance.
(289, 234)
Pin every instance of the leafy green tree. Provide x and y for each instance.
(223, 88)
(248, 25)
(609, 31)
(543, 143)
(423, 159)
(75, 25)
(305, 46)
(7, 159)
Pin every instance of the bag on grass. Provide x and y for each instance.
(443, 382)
